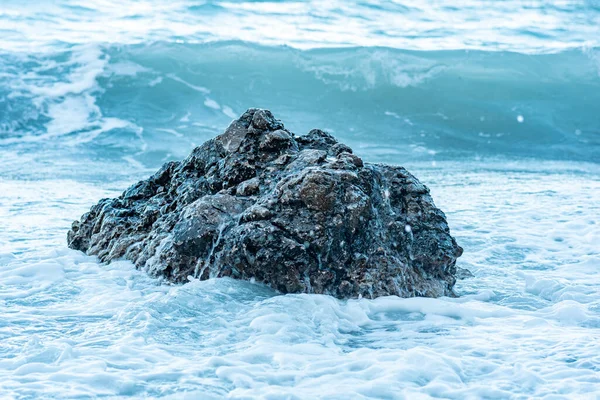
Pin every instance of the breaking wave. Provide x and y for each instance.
(156, 101)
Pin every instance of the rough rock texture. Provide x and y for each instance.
(299, 213)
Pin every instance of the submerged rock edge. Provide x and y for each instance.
(301, 214)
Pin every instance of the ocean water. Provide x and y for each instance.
(493, 105)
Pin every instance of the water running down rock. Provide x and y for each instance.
(302, 214)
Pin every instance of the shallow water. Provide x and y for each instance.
(526, 325)
(493, 106)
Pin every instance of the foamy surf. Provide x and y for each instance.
(525, 325)
(492, 105)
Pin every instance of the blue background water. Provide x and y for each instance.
(494, 105)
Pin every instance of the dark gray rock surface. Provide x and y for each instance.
(463, 273)
(299, 213)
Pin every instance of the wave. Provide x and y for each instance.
(513, 25)
(156, 100)
(74, 327)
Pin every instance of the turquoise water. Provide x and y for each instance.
(493, 105)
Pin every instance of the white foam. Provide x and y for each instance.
(70, 115)
(410, 25)
(70, 101)
(229, 112)
(524, 326)
(210, 103)
(106, 125)
(126, 68)
(155, 81)
(170, 131)
(86, 63)
(197, 88)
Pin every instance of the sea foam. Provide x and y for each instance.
(525, 325)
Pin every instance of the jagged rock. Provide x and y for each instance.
(299, 213)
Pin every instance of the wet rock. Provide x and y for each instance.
(299, 213)
(463, 273)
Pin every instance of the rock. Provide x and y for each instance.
(302, 214)
(463, 273)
